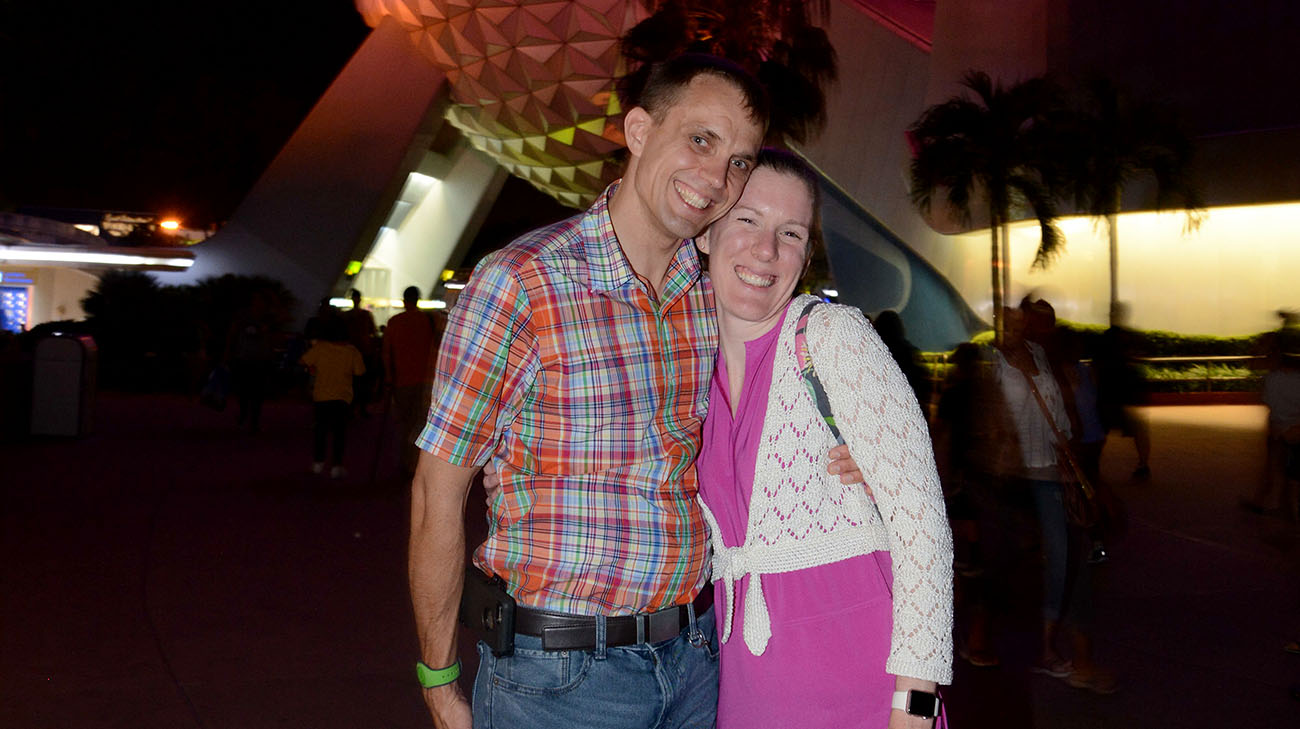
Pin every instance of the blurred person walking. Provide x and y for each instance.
(333, 362)
(1077, 382)
(409, 347)
(362, 335)
(955, 444)
(889, 325)
(1282, 396)
(1119, 389)
(1023, 376)
(250, 351)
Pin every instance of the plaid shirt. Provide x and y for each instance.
(589, 394)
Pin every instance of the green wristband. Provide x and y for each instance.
(435, 677)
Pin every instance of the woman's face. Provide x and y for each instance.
(759, 249)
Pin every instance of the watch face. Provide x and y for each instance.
(921, 703)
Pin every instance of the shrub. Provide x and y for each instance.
(148, 335)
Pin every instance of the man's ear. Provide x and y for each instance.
(637, 123)
(702, 242)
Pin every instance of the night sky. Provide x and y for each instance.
(172, 107)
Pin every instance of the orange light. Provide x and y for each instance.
(170, 225)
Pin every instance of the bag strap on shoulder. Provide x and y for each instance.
(810, 379)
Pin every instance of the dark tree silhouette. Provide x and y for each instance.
(1001, 150)
(775, 40)
(1118, 139)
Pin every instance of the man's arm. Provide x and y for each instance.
(436, 569)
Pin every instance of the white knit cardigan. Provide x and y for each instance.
(800, 516)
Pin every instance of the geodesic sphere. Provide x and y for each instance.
(532, 82)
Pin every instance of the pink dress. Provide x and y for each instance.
(825, 663)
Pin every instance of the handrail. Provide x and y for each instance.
(1209, 377)
(1203, 358)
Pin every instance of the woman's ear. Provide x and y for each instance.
(636, 125)
(702, 242)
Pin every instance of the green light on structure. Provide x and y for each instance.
(354, 267)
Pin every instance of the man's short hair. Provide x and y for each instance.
(411, 292)
(656, 87)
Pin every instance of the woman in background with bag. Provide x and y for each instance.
(1038, 420)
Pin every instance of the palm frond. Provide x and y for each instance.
(1030, 192)
(1124, 139)
(1004, 142)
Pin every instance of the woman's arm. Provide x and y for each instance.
(882, 423)
(899, 719)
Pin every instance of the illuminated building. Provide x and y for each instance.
(47, 267)
(400, 161)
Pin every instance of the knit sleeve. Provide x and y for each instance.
(890, 441)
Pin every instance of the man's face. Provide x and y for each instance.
(692, 165)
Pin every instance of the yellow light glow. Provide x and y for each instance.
(170, 225)
(354, 267)
(448, 274)
(434, 304)
(1227, 277)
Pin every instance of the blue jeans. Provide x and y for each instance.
(1054, 532)
(668, 685)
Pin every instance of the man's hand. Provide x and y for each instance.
(843, 464)
(448, 706)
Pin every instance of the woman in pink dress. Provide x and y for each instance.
(835, 610)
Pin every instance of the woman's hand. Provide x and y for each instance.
(903, 720)
(843, 464)
(899, 719)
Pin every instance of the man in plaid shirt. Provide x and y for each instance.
(578, 360)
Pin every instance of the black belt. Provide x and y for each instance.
(562, 632)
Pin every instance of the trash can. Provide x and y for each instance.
(63, 385)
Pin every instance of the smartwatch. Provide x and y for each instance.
(918, 703)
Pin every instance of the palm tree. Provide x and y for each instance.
(1120, 140)
(999, 149)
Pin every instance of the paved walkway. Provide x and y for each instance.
(171, 572)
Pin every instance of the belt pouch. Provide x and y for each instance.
(488, 610)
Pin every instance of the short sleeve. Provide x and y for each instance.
(486, 363)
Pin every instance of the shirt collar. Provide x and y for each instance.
(607, 266)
